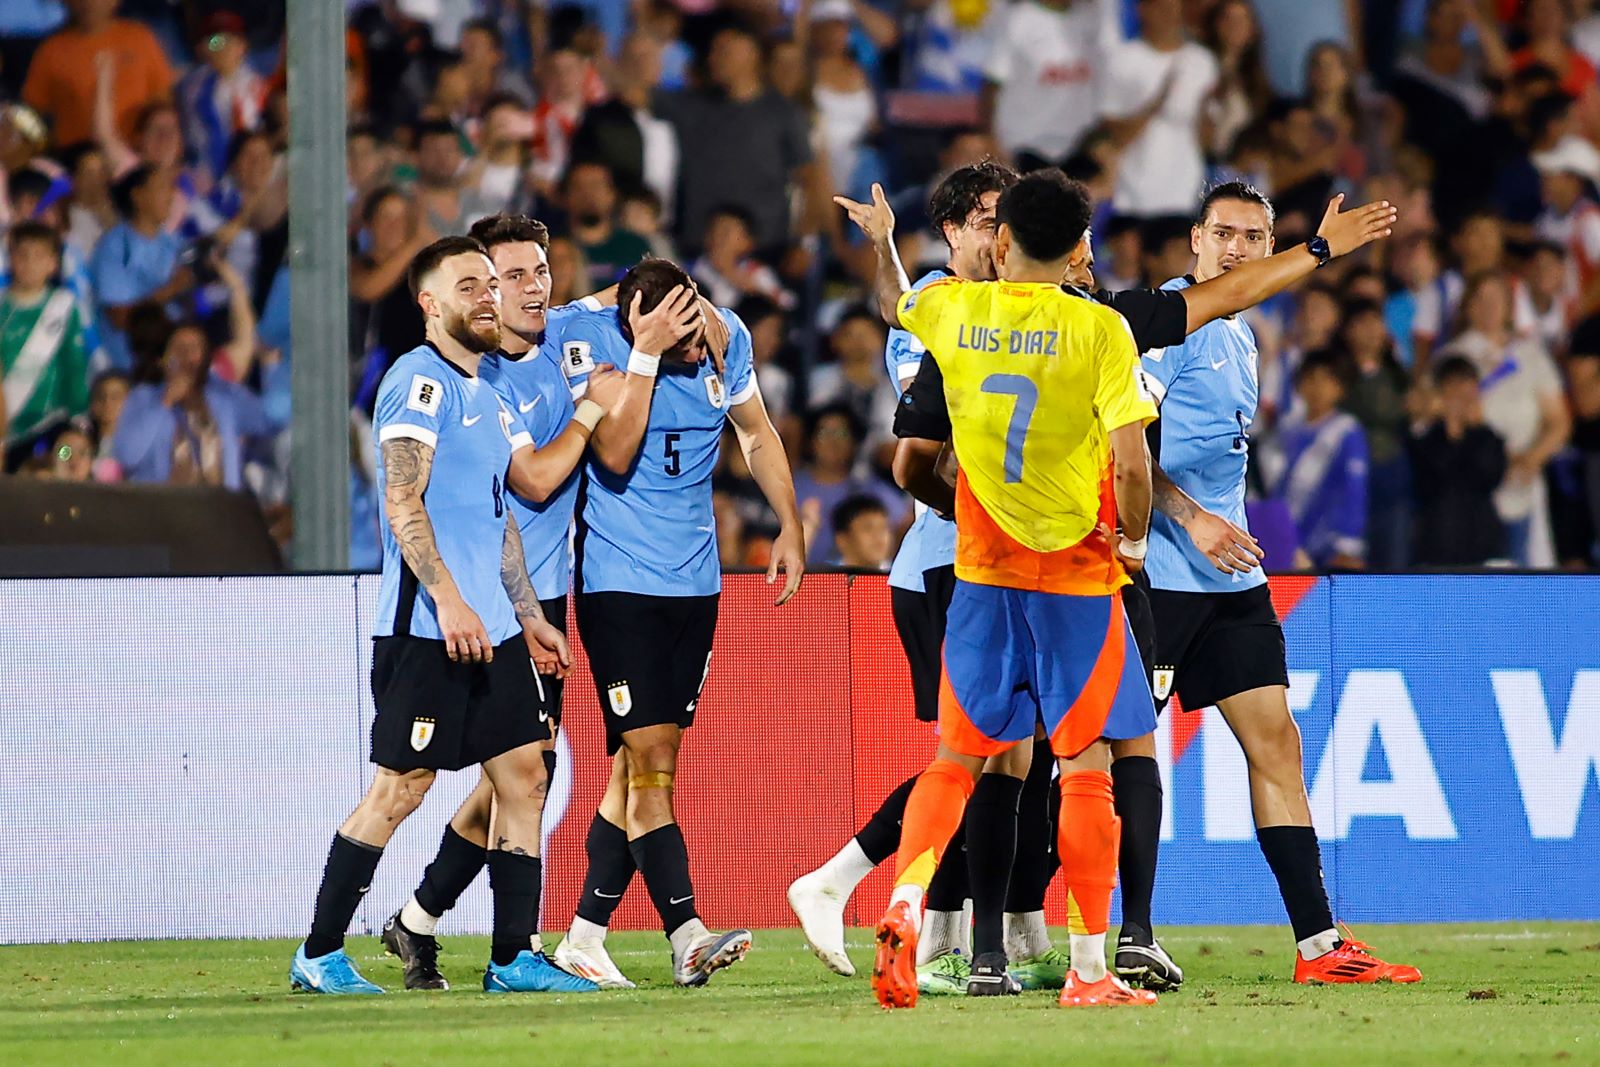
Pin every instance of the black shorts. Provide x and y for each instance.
(919, 620)
(555, 612)
(649, 656)
(1211, 646)
(443, 716)
(1136, 605)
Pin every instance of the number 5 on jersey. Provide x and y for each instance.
(1026, 392)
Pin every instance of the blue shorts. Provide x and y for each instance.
(1014, 659)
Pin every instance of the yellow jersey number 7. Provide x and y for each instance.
(1026, 393)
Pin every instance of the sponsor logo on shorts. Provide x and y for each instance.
(421, 733)
(1163, 682)
(621, 698)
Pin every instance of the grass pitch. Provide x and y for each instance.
(1503, 994)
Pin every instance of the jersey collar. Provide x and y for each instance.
(430, 346)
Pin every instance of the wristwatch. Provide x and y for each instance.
(1318, 246)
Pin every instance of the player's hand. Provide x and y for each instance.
(876, 219)
(605, 385)
(1346, 231)
(676, 317)
(548, 647)
(717, 335)
(788, 556)
(1131, 564)
(465, 639)
(1230, 549)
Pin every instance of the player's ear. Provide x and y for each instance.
(427, 302)
(1194, 238)
(1272, 244)
(1002, 243)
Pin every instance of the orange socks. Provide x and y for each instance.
(1088, 834)
(933, 812)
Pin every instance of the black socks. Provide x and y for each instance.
(1296, 862)
(1136, 791)
(454, 866)
(611, 867)
(663, 859)
(514, 879)
(991, 849)
(880, 838)
(345, 880)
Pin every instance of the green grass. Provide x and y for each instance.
(1505, 994)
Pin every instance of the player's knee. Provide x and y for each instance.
(522, 783)
(395, 796)
(1275, 750)
(658, 757)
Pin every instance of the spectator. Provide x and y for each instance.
(137, 259)
(23, 142)
(483, 58)
(1548, 25)
(1166, 247)
(23, 25)
(862, 537)
(1583, 376)
(1377, 393)
(846, 108)
(1419, 292)
(187, 425)
(1452, 66)
(1156, 89)
(1314, 328)
(591, 200)
(768, 332)
(1045, 60)
(384, 315)
(449, 203)
(1459, 463)
(1295, 27)
(741, 144)
(107, 393)
(500, 170)
(825, 479)
(855, 379)
(625, 133)
(1571, 218)
(569, 272)
(369, 163)
(562, 99)
(728, 271)
(72, 456)
(43, 357)
(1319, 469)
(1547, 284)
(236, 215)
(223, 96)
(944, 47)
(642, 213)
(61, 78)
(90, 211)
(1241, 92)
(1524, 403)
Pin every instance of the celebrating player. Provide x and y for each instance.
(1218, 639)
(647, 589)
(1048, 414)
(452, 677)
(526, 373)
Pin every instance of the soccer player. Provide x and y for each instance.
(1218, 639)
(921, 582)
(452, 677)
(647, 587)
(526, 374)
(1048, 412)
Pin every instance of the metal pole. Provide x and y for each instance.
(318, 293)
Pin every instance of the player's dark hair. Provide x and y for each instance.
(651, 279)
(1455, 369)
(430, 257)
(962, 191)
(34, 230)
(492, 231)
(1047, 213)
(1320, 360)
(1240, 191)
(123, 190)
(852, 508)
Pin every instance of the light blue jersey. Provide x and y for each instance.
(427, 398)
(653, 530)
(931, 541)
(535, 388)
(1207, 389)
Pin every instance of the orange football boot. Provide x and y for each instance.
(1108, 992)
(1351, 963)
(894, 970)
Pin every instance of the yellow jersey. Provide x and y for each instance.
(1035, 378)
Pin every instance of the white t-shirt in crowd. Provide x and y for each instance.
(1047, 63)
(1163, 170)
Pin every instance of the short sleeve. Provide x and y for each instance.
(1121, 395)
(903, 355)
(1160, 367)
(923, 412)
(739, 361)
(918, 309)
(412, 403)
(584, 339)
(1158, 318)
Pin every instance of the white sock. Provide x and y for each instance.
(414, 917)
(536, 943)
(584, 932)
(846, 869)
(941, 933)
(1026, 935)
(1317, 944)
(1089, 956)
(684, 936)
(911, 896)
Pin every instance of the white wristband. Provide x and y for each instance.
(1136, 549)
(588, 414)
(643, 364)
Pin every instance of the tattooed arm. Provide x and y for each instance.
(546, 643)
(1230, 549)
(407, 466)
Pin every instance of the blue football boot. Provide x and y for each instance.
(334, 973)
(533, 972)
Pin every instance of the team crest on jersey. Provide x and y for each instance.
(576, 358)
(425, 395)
(715, 391)
(621, 698)
(421, 733)
(1162, 678)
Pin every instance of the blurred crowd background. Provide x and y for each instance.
(1431, 402)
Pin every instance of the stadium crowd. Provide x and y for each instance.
(1433, 401)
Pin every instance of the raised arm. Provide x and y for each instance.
(876, 220)
(546, 644)
(1249, 284)
(763, 453)
(616, 440)
(407, 466)
(536, 473)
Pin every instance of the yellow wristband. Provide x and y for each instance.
(588, 414)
